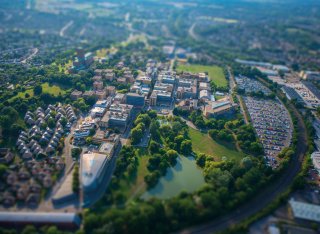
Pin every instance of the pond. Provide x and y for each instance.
(184, 176)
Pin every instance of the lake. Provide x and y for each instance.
(184, 176)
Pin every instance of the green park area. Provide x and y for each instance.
(132, 187)
(46, 88)
(203, 143)
(215, 73)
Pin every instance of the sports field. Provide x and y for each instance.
(215, 73)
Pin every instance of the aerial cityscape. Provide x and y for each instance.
(149, 116)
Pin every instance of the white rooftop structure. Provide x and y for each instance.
(93, 166)
(304, 210)
(106, 148)
(205, 94)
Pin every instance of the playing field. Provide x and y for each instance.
(203, 143)
(215, 73)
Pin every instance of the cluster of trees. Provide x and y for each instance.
(221, 135)
(75, 152)
(9, 122)
(158, 163)
(141, 124)
(258, 94)
(248, 141)
(30, 229)
(125, 172)
(247, 71)
(75, 179)
(167, 142)
(127, 162)
(229, 183)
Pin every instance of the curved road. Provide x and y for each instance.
(266, 195)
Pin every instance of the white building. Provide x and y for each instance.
(315, 156)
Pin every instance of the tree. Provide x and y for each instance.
(246, 163)
(217, 177)
(63, 121)
(213, 133)
(186, 147)
(29, 229)
(51, 123)
(75, 179)
(172, 156)
(154, 130)
(256, 148)
(152, 179)
(200, 122)
(3, 169)
(136, 135)
(154, 147)
(12, 114)
(176, 126)
(37, 90)
(75, 152)
(15, 129)
(178, 140)
(89, 140)
(152, 114)
(201, 160)
(143, 118)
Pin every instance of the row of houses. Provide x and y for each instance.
(41, 140)
(25, 182)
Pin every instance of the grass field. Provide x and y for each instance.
(215, 73)
(202, 143)
(46, 88)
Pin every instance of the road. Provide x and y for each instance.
(192, 33)
(64, 29)
(232, 86)
(68, 147)
(266, 195)
(34, 53)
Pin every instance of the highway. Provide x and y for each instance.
(266, 195)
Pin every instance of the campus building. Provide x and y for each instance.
(218, 109)
(118, 115)
(93, 167)
(135, 99)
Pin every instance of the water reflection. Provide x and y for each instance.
(184, 176)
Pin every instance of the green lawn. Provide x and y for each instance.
(53, 89)
(202, 143)
(46, 88)
(215, 73)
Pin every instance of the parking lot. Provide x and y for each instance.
(273, 126)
